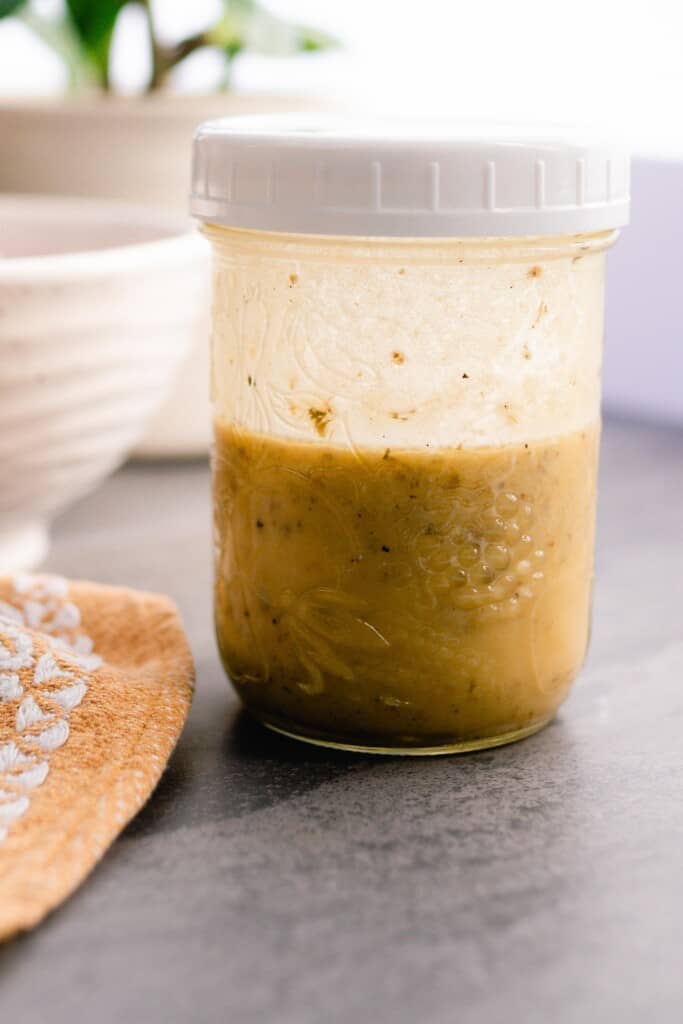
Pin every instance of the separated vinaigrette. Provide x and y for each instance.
(403, 599)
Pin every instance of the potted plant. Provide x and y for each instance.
(95, 142)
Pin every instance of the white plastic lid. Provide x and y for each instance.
(325, 175)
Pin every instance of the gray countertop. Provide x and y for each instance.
(268, 881)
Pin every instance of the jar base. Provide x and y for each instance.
(405, 750)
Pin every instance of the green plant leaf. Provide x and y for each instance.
(8, 7)
(59, 34)
(247, 25)
(94, 22)
(228, 33)
(312, 39)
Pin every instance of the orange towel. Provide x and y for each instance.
(95, 685)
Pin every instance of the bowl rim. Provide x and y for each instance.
(179, 241)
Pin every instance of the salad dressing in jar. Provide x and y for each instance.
(406, 347)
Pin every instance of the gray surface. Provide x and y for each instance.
(266, 881)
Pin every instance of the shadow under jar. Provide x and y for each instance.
(406, 348)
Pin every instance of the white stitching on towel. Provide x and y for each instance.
(60, 682)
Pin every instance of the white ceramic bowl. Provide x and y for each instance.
(99, 303)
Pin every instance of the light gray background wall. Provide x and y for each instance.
(643, 373)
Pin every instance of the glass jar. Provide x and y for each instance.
(406, 428)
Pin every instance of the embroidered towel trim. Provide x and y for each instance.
(95, 686)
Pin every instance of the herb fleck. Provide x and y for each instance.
(403, 416)
(320, 418)
(542, 309)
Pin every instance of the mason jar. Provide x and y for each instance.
(406, 349)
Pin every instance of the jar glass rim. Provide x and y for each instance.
(330, 248)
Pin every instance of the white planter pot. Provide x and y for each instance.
(99, 301)
(136, 149)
